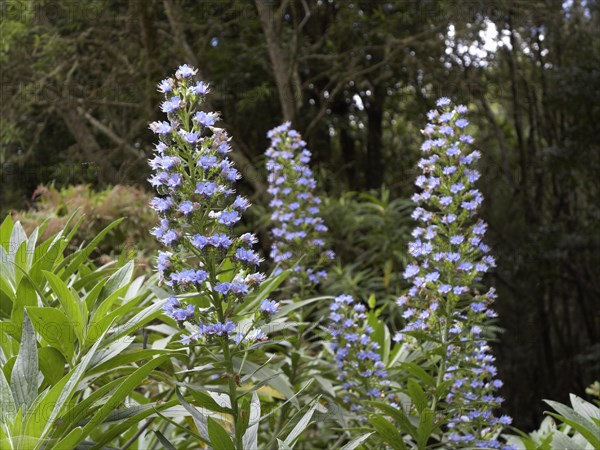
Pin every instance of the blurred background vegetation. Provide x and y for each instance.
(356, 78)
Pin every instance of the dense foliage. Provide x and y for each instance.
(357, 80)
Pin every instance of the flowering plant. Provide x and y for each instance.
(208, 268)
(210, 273)
(298, 232)
(357, 358)
(446, 305)
(215, 293)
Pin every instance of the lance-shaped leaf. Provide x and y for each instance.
(24, 377)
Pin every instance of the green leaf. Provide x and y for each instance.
(136, 287)
(443, 388)
(92, 296)
(60, 394)
(292, 306)
(125, 414)
(280, 383)
(282, 445)
(52, 364)
(38, 287)
(73, 261)
(110, 351)
(249, 375)
(250, 438)
(117, 280)
(178, 426)
(124, 389)
(50, 253)
(18, 235)
(9, 407)
(586, 409)
(268, 286)
(219, 438)
(26, 296)
(17, 238)
(387, 344)
(31, 242)
(356, 441)
(260, 384)
(72, 229)
(417, 395)
(5, 231)
(289, 400)
(85, 407)
(588, 430)
(380, 335)
(149, 313)
(163, 440)
(200, 419)
(24, 377)
(54, 328)
(301, 425)
(7, 297)
(97, 322)
(21, 260)
(17, 426)
(398, 415)
(123, 360)
(560, 441)
(8, 366)
(206, 401)
(419, 372)
(88, 280)
(244, 417)
(387, 431)
(70, 440)
(7, 267)
(372, 301)
(425, 427)
(70, 304)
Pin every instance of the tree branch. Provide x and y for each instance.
(281, 69)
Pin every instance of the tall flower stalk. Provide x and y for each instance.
(446, 303)
(206, 266)
(298, 234)
(298, 231)
(358, 361)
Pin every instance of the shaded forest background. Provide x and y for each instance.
(356, 78)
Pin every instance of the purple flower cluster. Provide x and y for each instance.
(298, 229)
(357, 357)
(444, 302)
(198, 209)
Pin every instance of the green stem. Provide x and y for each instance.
(227, 357)
(295, 365)
(232, 393)
(442, 366)
(441, 370)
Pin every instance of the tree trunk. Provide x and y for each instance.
(374, 162)
(270, 20)
(87, 144)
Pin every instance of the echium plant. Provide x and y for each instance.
(360, 369)
(207, 267)
(446, 304)
(298, 229)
